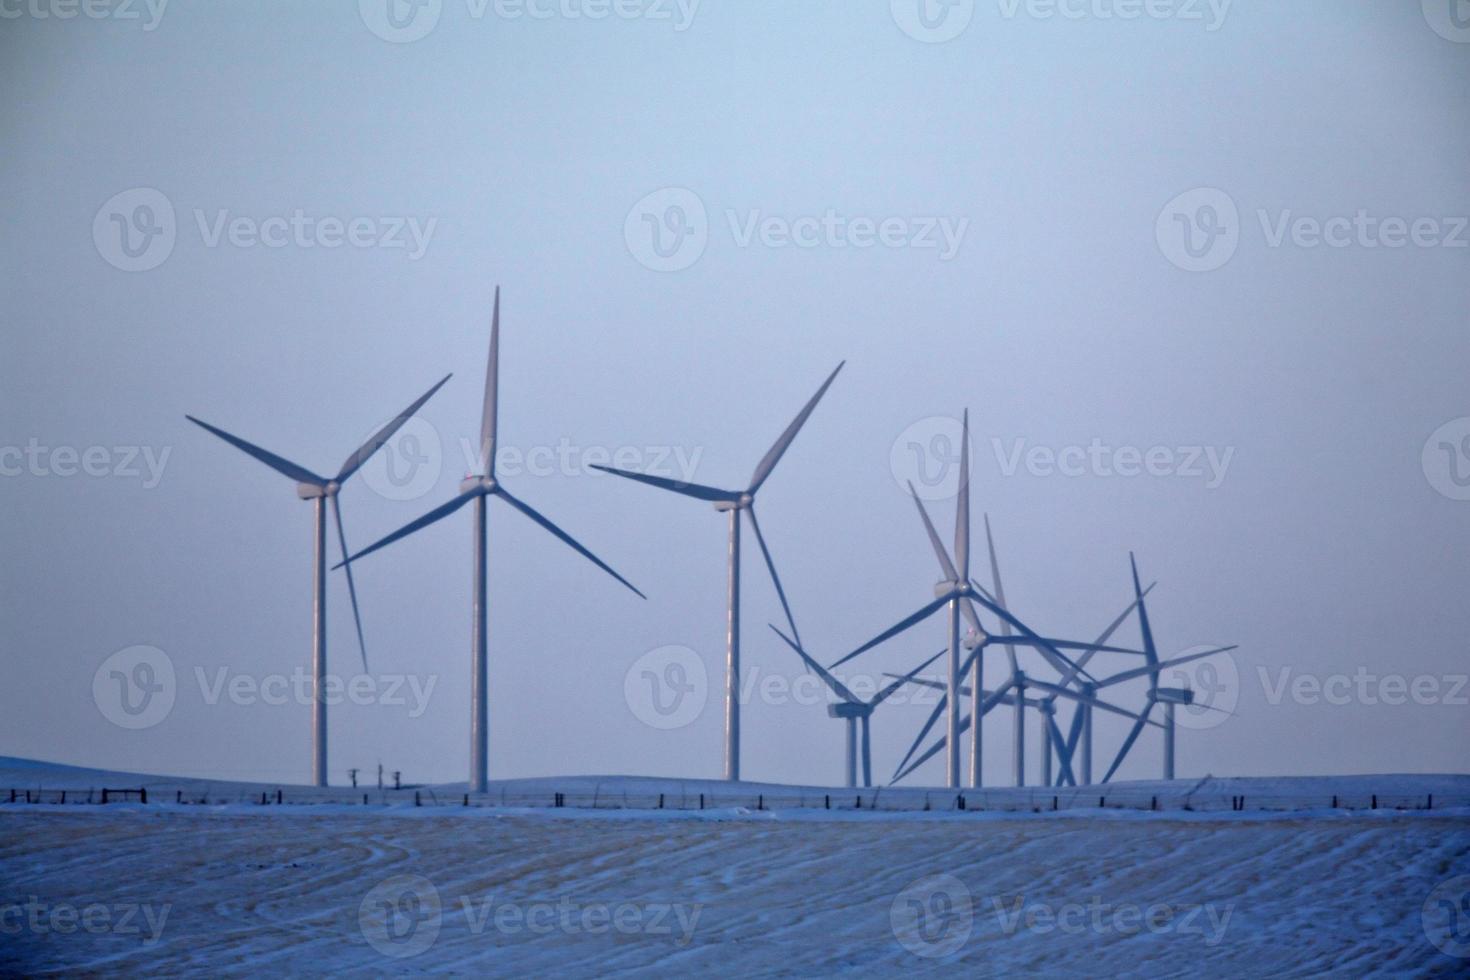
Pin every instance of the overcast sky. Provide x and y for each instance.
(1198, 271)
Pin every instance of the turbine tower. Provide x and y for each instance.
(854, 710)
(323, 493)
(733, 502)
(480, 488)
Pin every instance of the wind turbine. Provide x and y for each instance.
(1156, 695)
(479, 488)
(323, 491)
(734, 502)
(960, 593)
(854, 710)
(1012, 691)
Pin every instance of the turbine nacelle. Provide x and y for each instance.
(484, 484)
(849, 709)
(737, 502)
(312, 491)
(1174, 695)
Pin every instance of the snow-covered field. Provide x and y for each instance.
(166, 889)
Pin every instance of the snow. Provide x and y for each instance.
(581, 892)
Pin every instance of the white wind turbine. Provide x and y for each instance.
(734, 502)
(323, 491)
(480, 488)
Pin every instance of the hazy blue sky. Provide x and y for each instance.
(1053, 144)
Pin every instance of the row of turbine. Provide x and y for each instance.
(958, 592)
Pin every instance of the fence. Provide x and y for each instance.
(882, 801)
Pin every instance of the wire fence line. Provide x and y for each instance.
(881, 801)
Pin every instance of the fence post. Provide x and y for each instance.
(660, 801)
(143, 794)
(961, 801)
(1334, 801)
(278, 796)
(104, 795)
(1100, 801)
(827, 802)
(701, 801)
(467, 799)
(1054, 803)
(1153, 803)
(1375, 801)
(364, 799)
(416, 800)
(858, 805)
(1430, 805)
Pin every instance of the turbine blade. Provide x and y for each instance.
(488, 420)
(1149, 649)
(837, 686)
(887, 692)
(351, 586)
(928, 725)
(1128, 743)
(1112, 628)
(945, 565)
(771, 567)
(962, 505)
(282, 466)
(1084, 699)
(773, 455)
(1053, 656)
(1064, 755)
(893, 631)
(1026, 641)
(438, 513)
(366, 450)
(566, 538)
(687, 489)
(1155, 669)
(1000, 594)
